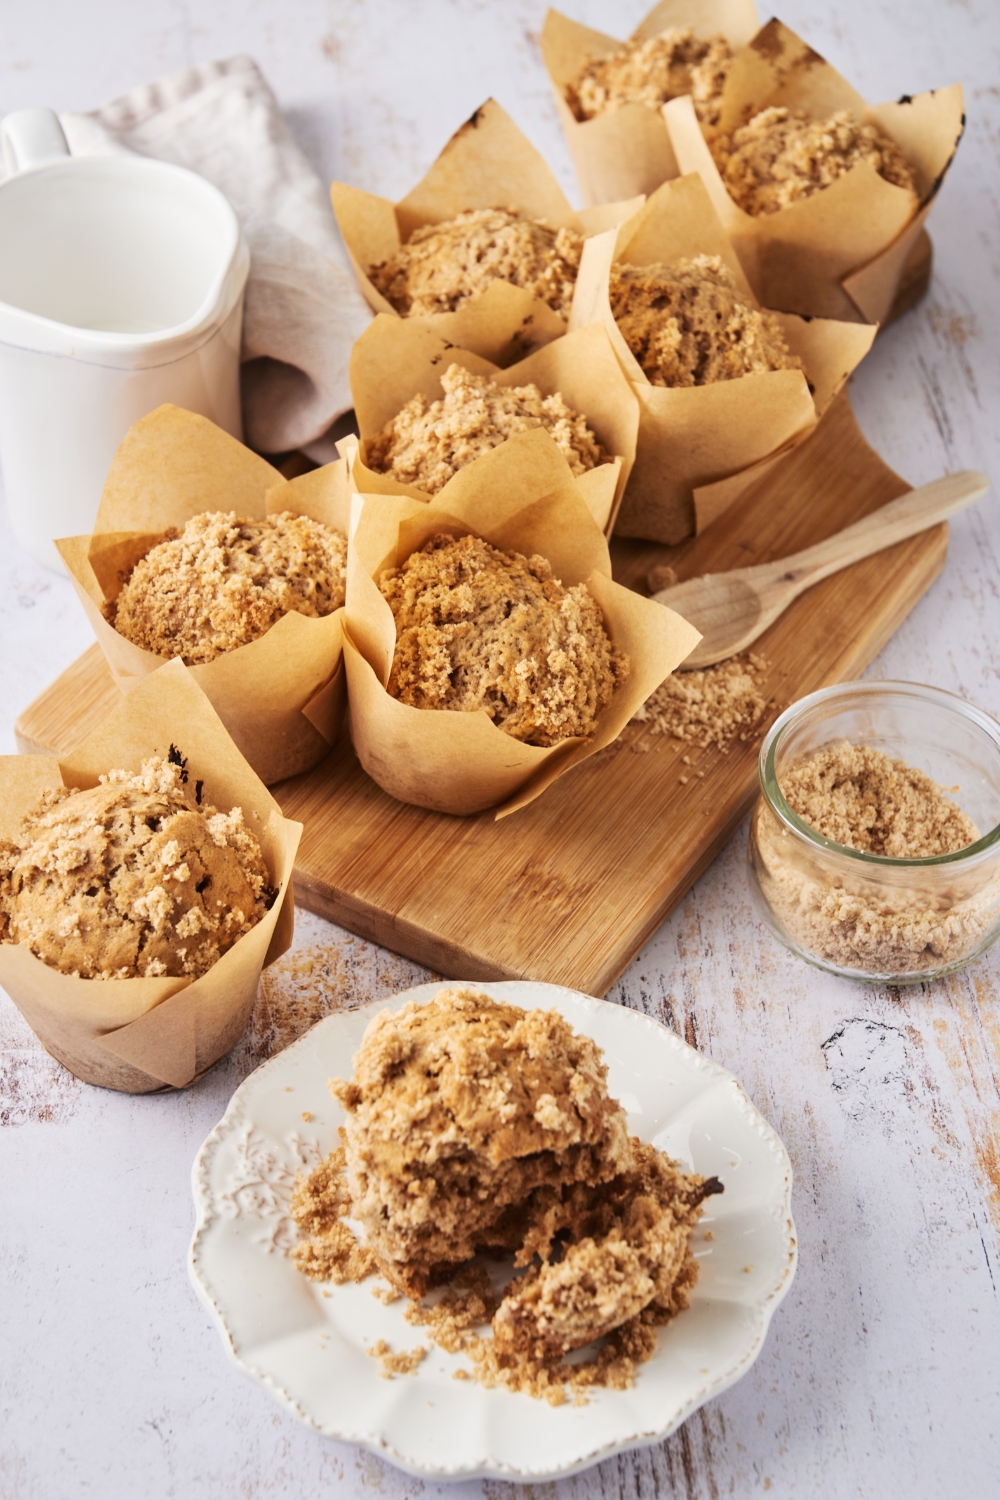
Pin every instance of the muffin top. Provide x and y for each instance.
(689, 324)
(223, 582)
(131, 878)
(652, 70)
(478, 628)
(427, 442)
(458, 1112)
(442, 266)
(782, 155)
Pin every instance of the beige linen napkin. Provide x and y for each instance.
(303, 308)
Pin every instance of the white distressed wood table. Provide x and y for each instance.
(881, 1373)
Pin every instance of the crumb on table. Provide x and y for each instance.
(712, 706)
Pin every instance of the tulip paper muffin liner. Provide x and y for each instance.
(281, 697)
(628, 151)
(519, 497)
(701, 446)
(142, 1035)
(488, 163)
(396, 359)
(840, 252)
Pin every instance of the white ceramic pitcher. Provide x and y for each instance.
(121, 287)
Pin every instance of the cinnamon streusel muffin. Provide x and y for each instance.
(131, 878)
(652, 70)
(458, 1112)
(782, 155)
(441, 266)
(689, 324)
(223, 582)
(477, 628)
(477, 1126)
(427, 442)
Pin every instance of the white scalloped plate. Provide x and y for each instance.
(307, 1344)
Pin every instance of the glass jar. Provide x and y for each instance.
(868, 916)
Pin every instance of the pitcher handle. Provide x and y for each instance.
(31, 137)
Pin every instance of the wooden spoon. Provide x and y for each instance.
(732, 609)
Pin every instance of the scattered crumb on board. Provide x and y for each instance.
(713, 706)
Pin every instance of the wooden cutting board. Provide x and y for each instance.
(569, 889)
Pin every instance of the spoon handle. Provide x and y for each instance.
(902, 518)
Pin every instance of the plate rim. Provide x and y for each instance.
(762, 1308)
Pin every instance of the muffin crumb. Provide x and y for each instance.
(853, 916)
(864, 799)
(477, 1127)
(402, 1362)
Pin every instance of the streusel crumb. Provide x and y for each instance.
(855, 916)
(223, 582)
(399, 1362)
(650, 71)
(131, 879)
(689, 324)
(712, 706)
(427, 442)
(441, 266)
(782, 155)
(477, 628)
(864, 799)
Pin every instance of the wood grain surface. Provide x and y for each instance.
(880, 1376)
(570, 888)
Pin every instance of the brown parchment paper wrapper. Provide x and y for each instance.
(839, 253)
(628, 151)
(488, 163)
(396, 359)
(520, 497)
(140, 1035)
(282, 696)
(694, 437)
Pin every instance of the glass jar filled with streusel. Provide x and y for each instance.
(875, 842)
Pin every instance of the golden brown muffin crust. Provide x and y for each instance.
(131, 879)
(689, 324)
(442, 266)
(782, 155)
(223, 582)
(652, 70)
(427, 442)
(477, 628)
